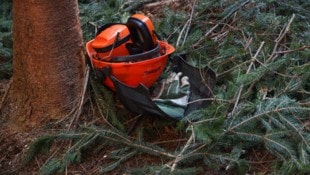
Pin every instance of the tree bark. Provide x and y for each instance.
(48, 62)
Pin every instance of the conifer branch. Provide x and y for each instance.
(294, 50)
(276, 110)
(190, 22)
(283, 32)
(128, 142)
(140, 147)
(179, 156)
(297, 130)
(160, 3)
(6, 92)
(247, 72)
(248, 136)
(82, 96)
(233, 9)
(186, 27)
(99, 107)
(212, 29)
(232, 69)
(282, 146)
(210, 99)
(205, 120)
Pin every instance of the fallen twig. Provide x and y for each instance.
(6, 91)
(283, 32)
(101, 113)
(248, 71)
(82, 96)
(237, 7)
(186, 27)
(294, 50)
(179, 156)
(190, 22)
(159, 3)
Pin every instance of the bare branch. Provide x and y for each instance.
(283, 32)
(247, 72)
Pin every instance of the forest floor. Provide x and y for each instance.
(13, 144)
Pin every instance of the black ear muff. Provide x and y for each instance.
(141, 31)
(109, 36)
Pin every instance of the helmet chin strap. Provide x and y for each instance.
(108, 57)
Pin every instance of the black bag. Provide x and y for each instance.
(138, 100)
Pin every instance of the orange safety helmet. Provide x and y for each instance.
(144, 72)
(134, 60)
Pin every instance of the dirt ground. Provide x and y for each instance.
(13, 146)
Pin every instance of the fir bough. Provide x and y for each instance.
(261, 99)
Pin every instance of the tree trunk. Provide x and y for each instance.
(48, 64)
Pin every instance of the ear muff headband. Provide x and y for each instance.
(140, 32)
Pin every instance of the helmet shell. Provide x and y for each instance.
(132, 74)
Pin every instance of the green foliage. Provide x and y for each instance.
(282, 131)
(85, 139)
(258, 73)
(6, 43)
(260, 52)
(155, 170)
(274, 101)
(210, 122)
(106, 104)
(120, 156)
(94, 14)
(39, 145)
